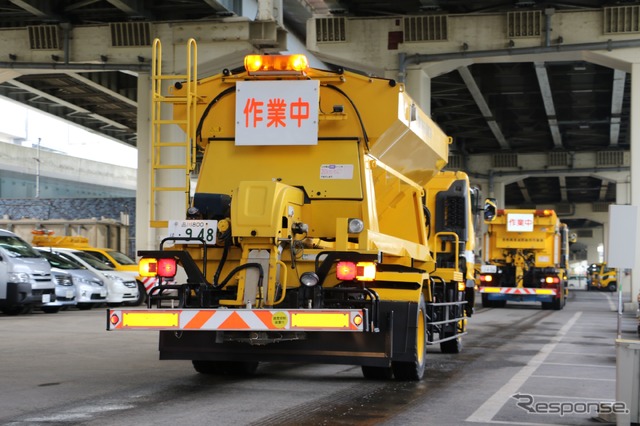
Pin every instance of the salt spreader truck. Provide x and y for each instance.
(308, 237)
(525, 258)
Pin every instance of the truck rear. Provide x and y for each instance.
(307, 237)
(525, 258)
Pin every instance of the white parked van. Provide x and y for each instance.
(25, 276)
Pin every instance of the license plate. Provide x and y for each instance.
(488, 269)
(69, 294)
(204, 229)
(103, 293)
(46, 298)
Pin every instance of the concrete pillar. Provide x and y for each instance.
(634, 119)
(145, 236)
(418, 85)
(496, 190)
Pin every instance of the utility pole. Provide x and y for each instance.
(38, 170)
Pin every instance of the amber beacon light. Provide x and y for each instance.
(257, 64)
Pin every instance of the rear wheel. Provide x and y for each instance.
(453, 346)
(414, 370)
(12, 310)
(486, 303)
(377, 373)
(612, 287)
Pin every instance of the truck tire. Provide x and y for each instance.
(226, 368)
(453, 346)
(12, 310)
(612, 287)
(486, 303)
(377, 373)
(414, 370)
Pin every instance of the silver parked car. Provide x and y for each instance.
(89, 286)
(65, 291)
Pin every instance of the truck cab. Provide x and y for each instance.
(602, 277)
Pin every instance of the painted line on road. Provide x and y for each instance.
(572, 398)
(573, 364)
(611, 304)
(582, 353)
(494, 404)
(541, 376)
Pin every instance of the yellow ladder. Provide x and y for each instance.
(161, 95)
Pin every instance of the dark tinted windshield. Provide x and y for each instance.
(93, 261)
(58, 261)
(17, 247)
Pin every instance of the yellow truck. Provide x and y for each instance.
(601, 277)
(525, 258)
(310, 237)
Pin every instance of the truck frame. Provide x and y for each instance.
(311, 240)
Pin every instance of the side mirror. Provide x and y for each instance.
(490, 209)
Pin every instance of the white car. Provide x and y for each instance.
(88, 285)
(121, 287)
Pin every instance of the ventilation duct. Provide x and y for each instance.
(425, 28)
(505, 160)
(557, 159)
(622, 19)
(44, 37)
(130, 34)
(610, 158)
(331, 30)
(526, 23)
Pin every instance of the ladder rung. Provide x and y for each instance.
(171, 77)
(169, 121)
(170, 99)
(169, 166)
(171, 188)
(179, 144)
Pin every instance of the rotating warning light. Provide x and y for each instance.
(255, 64)
(148, 267)
(167, 268)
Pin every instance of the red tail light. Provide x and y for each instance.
(361, 271)
(346, 271)
(167, 268)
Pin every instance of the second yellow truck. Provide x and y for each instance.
(525, 258)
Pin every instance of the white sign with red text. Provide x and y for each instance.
(519, 222)
(277, 112)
